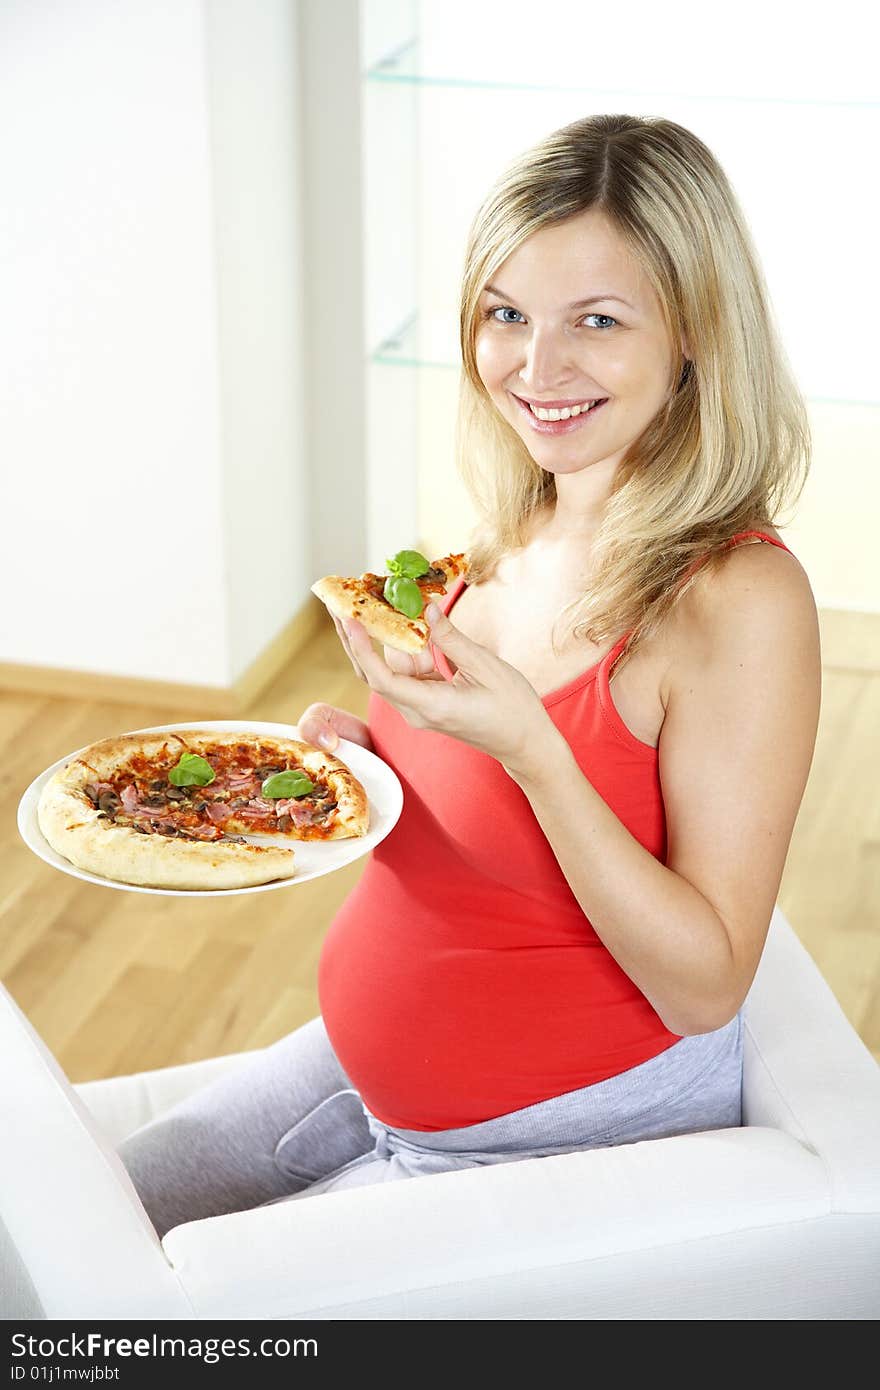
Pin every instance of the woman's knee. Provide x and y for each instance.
(269, 1127)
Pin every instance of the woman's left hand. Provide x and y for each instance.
(488, 703)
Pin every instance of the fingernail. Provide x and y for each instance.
(432, 613)
(326, 741)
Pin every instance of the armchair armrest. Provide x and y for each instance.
(455, 1243)
(806, 1071)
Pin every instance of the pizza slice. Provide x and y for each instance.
(391, 606)
(170, 810)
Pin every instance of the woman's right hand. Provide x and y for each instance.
(324, 725)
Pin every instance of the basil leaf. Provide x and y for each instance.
(404, 595)
(407, 563)
(290, 783)
(191, 771)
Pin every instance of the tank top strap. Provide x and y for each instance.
(731, 543)
(604, 666)
(741, 536)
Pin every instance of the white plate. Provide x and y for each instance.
(313, 857)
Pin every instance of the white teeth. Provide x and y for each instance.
(564, 414)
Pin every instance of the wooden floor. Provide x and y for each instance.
(117, 982)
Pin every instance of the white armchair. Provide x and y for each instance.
(779, 1219)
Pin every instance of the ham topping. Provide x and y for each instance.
(300, 813)
(204, 832)
(258, 806)
(237, 781)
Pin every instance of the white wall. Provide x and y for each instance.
(334, 292)
(390, 122)
(795, 122)
(151, 338)
(252, 65)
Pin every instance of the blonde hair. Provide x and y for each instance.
(731, 446)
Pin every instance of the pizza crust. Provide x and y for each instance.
(75, 829)
(348, 598)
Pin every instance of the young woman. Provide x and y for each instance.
(603, 751)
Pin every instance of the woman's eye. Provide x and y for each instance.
(502, 309)
(607, 317)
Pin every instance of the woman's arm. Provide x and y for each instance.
(735, 750)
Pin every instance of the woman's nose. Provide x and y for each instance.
(549, 356)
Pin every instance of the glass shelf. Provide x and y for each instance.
(420, 343)
(403, 66)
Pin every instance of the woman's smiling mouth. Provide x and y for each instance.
(559, 420)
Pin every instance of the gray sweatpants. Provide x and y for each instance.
(289, 1124)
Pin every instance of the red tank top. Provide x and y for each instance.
(461, 980)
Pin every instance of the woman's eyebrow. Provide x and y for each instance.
(578, 304)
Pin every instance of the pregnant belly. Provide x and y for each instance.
(442, 1022)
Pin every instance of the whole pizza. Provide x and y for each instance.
(170, 810)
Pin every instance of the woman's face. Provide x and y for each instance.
(537, 343)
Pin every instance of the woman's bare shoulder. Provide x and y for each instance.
(760, 594)
(755, 569)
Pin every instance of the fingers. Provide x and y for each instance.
(391, 676)
(424, 701)
(343, 637)
(419, 664)
(378, 675)
(324, 725)
(461, 653)
(315, 727)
